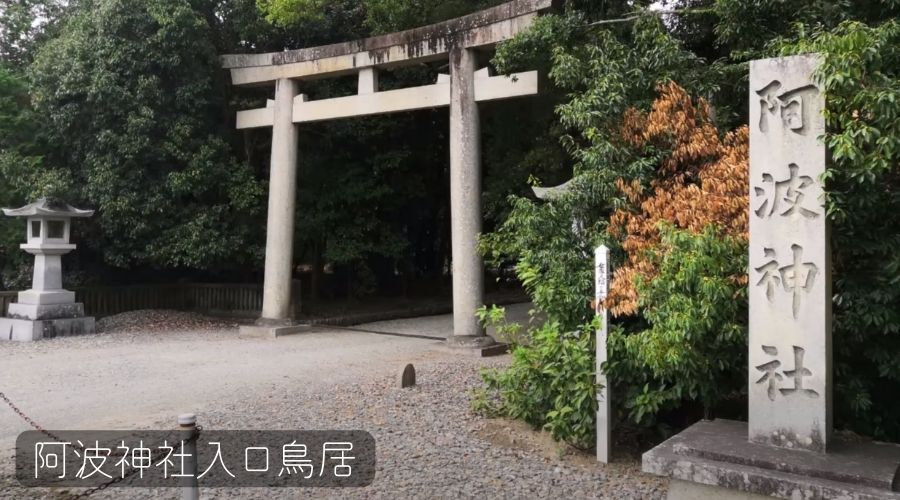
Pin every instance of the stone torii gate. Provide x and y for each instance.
(457, 40)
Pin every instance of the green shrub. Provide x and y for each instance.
(687, 348)
(551, 384)
(695, 347)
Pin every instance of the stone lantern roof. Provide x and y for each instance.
(552, 193)
(47, 207)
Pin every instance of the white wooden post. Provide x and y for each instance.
(604, 424)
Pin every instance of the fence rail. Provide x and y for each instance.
(217, 299)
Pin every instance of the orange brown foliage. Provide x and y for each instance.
(703, 180)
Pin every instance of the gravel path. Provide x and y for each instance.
(160, 321)
(429, 443)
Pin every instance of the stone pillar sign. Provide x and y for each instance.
(790, 270)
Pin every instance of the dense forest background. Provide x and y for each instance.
(121, 106)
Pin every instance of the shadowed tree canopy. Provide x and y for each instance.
(132, 96)
(382, 16)
(24, 25)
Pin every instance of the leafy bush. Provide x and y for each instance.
(693, 350)
(695, 346)
(551, 384)
(680, 298)
(510, 333)
(702, 180)
(679, 341)
(642, 157)
(605, 75)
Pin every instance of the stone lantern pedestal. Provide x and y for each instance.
(47, 310)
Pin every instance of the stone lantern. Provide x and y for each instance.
(46, 310)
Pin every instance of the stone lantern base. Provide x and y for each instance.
(29, 322)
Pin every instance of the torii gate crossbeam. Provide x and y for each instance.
(461, 91)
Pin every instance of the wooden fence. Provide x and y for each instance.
(243, 300)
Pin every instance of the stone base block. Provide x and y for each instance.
(685, 490)
(26, 330)
(42, 297)
(479, 346)
(270, 331)
(47, 311)
(714, 459)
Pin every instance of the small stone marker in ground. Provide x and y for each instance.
(408, 377)
(781, 451)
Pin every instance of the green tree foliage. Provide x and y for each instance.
(131, 95)
(292, 12)
(382, 16)
(553, 242)
(685, 351)
(18, 166)
(385, 16)
(24, 171)
(24, 24)
(17, 121)
(352, 216)
(551, 257)
(603, 75)
(549, 384)
(695, 347)
(746, 28)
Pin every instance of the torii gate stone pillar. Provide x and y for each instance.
(465, 198)
(457, 40)
(276, 307)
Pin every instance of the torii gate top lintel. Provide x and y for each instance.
(428, 43)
